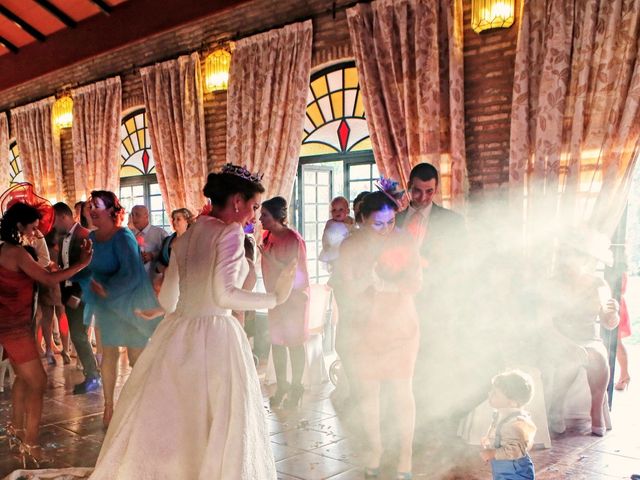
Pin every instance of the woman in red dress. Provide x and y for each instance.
(19, 273)
(376, 276)
(289, 322)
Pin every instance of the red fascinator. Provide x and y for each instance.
(24, 193)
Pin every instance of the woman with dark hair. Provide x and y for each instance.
(288, 323)
(18, 274)
(115, 284)
(192, 407)
(375, 279)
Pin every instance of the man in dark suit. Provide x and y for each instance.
(441, 236)
(72, 236)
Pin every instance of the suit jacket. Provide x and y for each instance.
(444, 249)
(78, 236)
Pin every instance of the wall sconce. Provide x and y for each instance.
(62, 112)
(216, 66)
(491, 14)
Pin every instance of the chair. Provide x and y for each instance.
(315, 371)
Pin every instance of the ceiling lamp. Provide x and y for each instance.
(491, 14)
(216, 67)
(62, 112)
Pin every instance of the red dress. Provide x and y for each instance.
(624, 327)
(16, 314)
(288, 322)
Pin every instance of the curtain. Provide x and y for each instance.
(173, 98)
(5, 177)
(97, 109)
(268, 85)
(575, 127)
(410, 64)
(39, 145)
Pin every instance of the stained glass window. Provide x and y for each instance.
(335, 120)
(135, 149)
(15, 164)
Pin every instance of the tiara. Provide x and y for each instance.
(242, 172)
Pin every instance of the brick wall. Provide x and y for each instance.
(488, 64)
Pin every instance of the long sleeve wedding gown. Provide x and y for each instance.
(192, 407)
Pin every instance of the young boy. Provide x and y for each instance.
(511, 434)
(335, 230)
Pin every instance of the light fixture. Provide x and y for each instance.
(216, 67)
(62, 112)
(491, 14)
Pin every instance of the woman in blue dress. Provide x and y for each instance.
(116, 284)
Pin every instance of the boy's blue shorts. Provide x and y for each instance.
(519, 469)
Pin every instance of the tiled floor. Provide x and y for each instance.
(313, 443)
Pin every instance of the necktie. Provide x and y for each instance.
(417, 227)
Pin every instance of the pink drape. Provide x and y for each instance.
(174, 101)
(97, 109)
(410, 64)
(268, 86)
(575, 128)
(39, 145)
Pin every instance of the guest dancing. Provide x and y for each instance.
(375, 278)
(181, 219)
(288, 323)
(192, 407)
(115, 284)
(18, 274)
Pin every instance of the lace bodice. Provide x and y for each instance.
(206, 271)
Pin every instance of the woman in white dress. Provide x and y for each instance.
(192, 408)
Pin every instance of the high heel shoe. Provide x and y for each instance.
(107, 415)
(276, 400)
(623, 384)
(33, 453)
(12, 436)
(51, 360)
(66, 359)
(294, 398)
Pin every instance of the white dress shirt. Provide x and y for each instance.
(151, 242)
(66, 244)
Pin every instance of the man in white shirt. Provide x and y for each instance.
(72, 237)
(149, 236)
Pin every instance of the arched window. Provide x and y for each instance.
(138, 182)
(335, 121)
(15, 164)
(335, 156)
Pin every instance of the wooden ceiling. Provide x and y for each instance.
(27, 21)
(38, 37)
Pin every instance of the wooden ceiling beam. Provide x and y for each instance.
(105, 7)
(8, 45)
(56, 12)
(22, 24)
(130, 22)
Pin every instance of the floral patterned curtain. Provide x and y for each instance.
(410, 64)
(268, 86)
(5, 178)
(39, 146)
(575, 127)
(97, 109)
(174, 101)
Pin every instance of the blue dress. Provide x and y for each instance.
(117, 266)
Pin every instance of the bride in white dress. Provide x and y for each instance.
(192, 407)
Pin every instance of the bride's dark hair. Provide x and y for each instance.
(220, 186)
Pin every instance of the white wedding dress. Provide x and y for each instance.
(192, 407)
